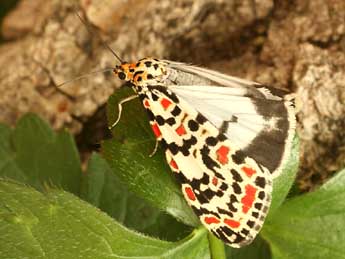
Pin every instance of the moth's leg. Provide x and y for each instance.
(155, 148)
(119, 105)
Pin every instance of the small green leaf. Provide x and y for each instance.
(128, 155)
(59, 225)
(310, 225)
(32, 153)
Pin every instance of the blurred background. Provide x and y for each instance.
(294, 45)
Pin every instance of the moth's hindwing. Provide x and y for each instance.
(229, 191)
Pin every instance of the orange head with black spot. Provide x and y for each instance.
(142, 73)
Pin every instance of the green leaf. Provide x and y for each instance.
(59, 225)
(128, 155)
(310, 225)
(32, 153)
(103, 189)
(155, 223)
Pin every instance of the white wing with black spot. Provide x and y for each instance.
(228, 190)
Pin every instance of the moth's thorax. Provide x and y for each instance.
(142, 73)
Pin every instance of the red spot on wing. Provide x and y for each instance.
(211, 220)
(165, 103)
(190, 193)
(146, 103)
(173, 164)
(156, 130)
(249, 197)
(248, 171)
(232, 223)
(181, 130)
(222, 154)
(215, 181)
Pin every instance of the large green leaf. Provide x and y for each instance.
(59, 225)
(128, 155)
(104, 190)
(32, 153)
(310, 225)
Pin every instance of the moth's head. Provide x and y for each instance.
(144, 72)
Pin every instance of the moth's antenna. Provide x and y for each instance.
(92, 32)
(86, 75)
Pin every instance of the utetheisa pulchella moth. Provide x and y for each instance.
(225, 139)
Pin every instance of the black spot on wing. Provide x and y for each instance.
(154, 97)
(225, 212)
(221, 137)
(260, 181)
(258, 205)
(160, 120)
(250, 223)
(238, 157)
(245, 231)
(203, 211)
(164, 91)
(200, 119)
(176, 111)
(231, 204)
(193, 125)
(207, 160)
(211, 141)
(237, 189)
(255, 214)
(172, 147)
(236, 176)
(261, 195)
(171, 121)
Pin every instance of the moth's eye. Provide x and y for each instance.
(122, 75)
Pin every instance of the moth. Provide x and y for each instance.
(225, 139)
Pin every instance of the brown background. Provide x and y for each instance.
(296, 45)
